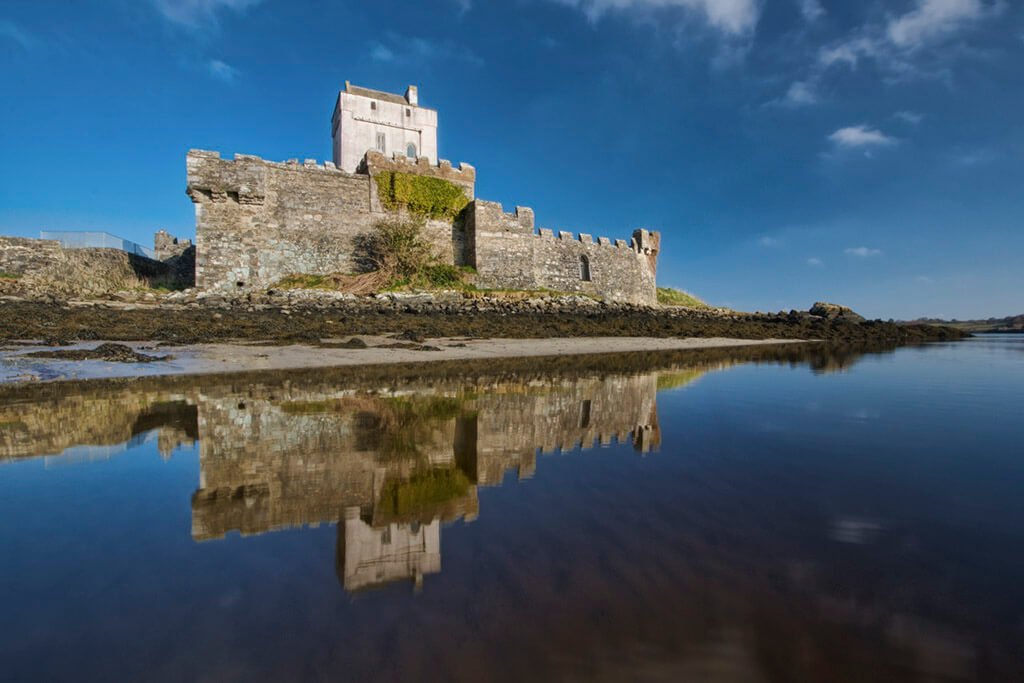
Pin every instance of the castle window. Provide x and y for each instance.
(584, 269)
(408, 112)
(410, 151)
(373, 106)
(380, 143)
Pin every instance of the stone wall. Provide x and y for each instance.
(507, 253)
(258, 221)
(45, 266)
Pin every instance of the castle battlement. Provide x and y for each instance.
(464, 174)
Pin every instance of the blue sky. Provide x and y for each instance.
(868, 153)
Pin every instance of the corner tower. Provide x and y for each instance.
(369, 120)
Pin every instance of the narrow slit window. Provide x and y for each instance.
(584, 269)
(380, 143)
(373, 106)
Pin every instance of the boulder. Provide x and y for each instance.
(835, 312)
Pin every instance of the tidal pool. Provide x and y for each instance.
(771, 514)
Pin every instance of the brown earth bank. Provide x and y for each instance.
(312, 318)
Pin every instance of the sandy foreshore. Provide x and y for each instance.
(202, 359)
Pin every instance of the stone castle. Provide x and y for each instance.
(258, 221)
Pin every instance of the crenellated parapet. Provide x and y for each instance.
(464, 174)
(507, 253)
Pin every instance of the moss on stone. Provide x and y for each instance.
(420, 195)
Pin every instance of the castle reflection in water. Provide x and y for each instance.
(388, 465)
(390, 468)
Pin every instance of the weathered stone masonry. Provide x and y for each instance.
(258, 221)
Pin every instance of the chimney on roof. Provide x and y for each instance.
(411, 96)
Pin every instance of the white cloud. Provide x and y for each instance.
(894, 43)
(812, 10)
(800, 93)
(463, 6)
(768, 241)
(862, 252)
(223, 71)
(415, 51)
(734, 17)
(380, 53)
(16, 34)
(814, 261)
(196, 13)
(909, 117)
(860, 136)
(932, 19)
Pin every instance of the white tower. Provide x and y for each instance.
(391, 124)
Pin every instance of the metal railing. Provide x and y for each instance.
(74, 239)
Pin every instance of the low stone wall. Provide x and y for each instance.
(45, 266)
(507, 253)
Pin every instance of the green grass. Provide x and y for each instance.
(667, 296)
(4, 275)
(12, 425)
(422, 494)
(303, 281)
(674, 380)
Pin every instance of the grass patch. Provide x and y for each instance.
(668, 296)
(12, 425)
(422, 494)
(4, 275)
(674, 380)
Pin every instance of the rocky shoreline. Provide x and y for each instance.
(317, 317)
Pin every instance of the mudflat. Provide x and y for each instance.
(283, 321)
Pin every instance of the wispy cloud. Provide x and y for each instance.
(815, 261)
(463, 6)
(862, 252)
(811, 10)
(397, 49)
(932, 19)
(199, 13)
(909, 117)
(799, 94)
(223, 71)
(767, 241)
(894, 43)
(973, 157)
(861, 136)
(17, 35)
(732, 17)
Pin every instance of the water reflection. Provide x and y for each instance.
(389, 466)
(755, 564)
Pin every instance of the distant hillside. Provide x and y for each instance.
(1011, 323)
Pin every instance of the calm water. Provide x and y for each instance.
(743, 516)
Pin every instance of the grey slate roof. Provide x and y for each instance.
(375, 94)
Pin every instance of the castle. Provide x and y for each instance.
(258, 221)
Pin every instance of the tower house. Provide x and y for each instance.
(367, 120)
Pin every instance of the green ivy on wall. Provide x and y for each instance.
(421, 195)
